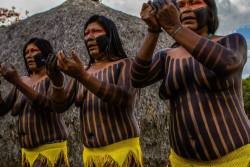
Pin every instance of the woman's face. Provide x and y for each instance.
(93, 31)
(193, 13)
(30, 51)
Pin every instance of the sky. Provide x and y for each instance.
(234, 15)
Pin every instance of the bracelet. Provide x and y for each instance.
(176, 31)
(155, 31)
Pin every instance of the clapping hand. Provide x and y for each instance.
(168, 16)
(148, 15)
(9, 73)
(72, 65)
(53, 71)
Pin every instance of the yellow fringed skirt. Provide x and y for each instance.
(49, 155)
(237, 158)
(125, 153)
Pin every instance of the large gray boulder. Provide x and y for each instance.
(63, 26)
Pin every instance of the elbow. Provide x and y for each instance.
(232, 64)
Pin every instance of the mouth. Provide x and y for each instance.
(91, 46)
(31, 62)
(188, 19)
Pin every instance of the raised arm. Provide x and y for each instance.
(146, 71)
(223, 57)
(118, 93)
(39, 100)
(63, 97)
(62, 90)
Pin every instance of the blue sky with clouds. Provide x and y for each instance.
(234, 15)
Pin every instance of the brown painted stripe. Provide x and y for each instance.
(204, 119)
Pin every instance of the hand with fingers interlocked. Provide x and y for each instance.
(148, 15)
(9, 72)
(167, 15)
(72, 65)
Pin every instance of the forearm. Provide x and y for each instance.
(58, 93)
(26, 90)
(39, 100)
(112, 93)
(186, 38)
(148, 46)
(223, 58)
(63, 97)
(89, 82)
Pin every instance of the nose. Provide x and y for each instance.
(89, 36)
(28, 55)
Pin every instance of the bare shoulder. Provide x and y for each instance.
(25, 78)
(232, 37)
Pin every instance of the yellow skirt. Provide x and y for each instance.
(237, 158)
(119, 153)
(50, 155)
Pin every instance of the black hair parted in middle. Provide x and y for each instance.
(43, 45)
(213, 20)
(114, 49)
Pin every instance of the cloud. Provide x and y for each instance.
(232, 15)
(128, 6)
(33, 6)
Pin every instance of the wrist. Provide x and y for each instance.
(17, 82)
(79, 74)
(154, 30)
(175, 30)
(84, 77)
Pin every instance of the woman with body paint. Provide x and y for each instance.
(201, 76)
(105, 96)
(42, 133)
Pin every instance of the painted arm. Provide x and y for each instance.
(118, 93)
(223, 57)
(146, 71)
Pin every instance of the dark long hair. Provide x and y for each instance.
(115, 50)
(44, 46)
(213, 20)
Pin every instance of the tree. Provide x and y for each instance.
(246, 95)
(8, 16)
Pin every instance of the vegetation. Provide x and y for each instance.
(246, 95)
(8, 16)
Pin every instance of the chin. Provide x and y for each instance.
(93, 53)
(192, 27)
(32, 68)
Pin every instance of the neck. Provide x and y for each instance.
(203, 31)
(103, 58)
(39, 74)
